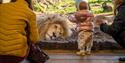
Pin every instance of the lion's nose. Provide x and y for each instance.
(54, 34)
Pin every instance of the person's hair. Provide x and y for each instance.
(30, 4)
(117, 3)
(84, 7)
(28, 1)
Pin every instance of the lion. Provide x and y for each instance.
(53, 26)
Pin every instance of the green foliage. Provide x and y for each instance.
(64, 7)
(99, 1)
(38, 7)
(68, 6)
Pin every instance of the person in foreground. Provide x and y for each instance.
(117, 28)
(15, 17)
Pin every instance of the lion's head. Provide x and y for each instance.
(53, 26)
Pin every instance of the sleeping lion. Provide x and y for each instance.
(53, 26)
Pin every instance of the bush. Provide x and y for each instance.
(68, 6)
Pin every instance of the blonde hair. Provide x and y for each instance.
(117, 3)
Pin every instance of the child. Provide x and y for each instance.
(85, 31)
(83, 18)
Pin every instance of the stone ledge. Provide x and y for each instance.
(73, 46)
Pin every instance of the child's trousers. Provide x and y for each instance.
(85, 40)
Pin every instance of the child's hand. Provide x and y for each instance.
(72, 18)
(89, 19)
(86, 28)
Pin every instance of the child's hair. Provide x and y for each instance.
(82, 5)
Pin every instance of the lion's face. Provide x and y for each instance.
(53, 26)
(54, 31)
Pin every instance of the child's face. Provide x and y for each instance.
(83, 6)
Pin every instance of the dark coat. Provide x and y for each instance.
(117, 29)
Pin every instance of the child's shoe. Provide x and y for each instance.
(88, 52)
(78, 53)
(83, 53)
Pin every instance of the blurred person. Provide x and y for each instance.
(17, 21)
(117, 28)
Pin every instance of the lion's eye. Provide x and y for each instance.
(60, 33)
(55, 26)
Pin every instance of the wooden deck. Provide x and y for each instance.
(103, 56)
